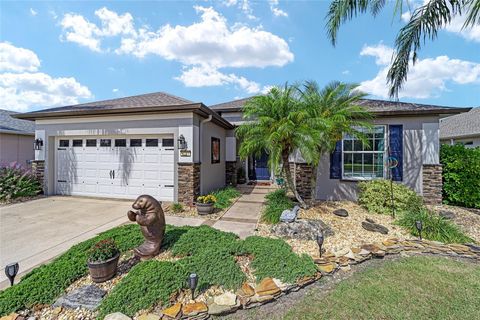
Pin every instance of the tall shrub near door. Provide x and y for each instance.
(461, 175)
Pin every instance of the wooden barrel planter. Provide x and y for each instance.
(104, 270)
(204, 208)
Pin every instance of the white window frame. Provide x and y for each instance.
(385, 155)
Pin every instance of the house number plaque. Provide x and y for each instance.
(185, 153)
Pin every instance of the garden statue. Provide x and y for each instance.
(151, 219)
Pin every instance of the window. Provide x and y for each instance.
(120, 142)
(135, 142)
(151, 142)
(215, 150)
(64, 143)
(105, 143)
(167, 142)
(77, 143)
(91, 143)
(364, 161)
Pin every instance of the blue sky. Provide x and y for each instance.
(59, 53)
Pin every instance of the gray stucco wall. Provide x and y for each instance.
(333, 189)
(475, 140)
(212, 175)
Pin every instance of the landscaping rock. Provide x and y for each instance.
(117, 316)
(302, 229)
(226, 299)
(341, 213)
(149, 316)
(267, 287)
(374, 227)
(88, 297)
(193, 309)
(446, 214)
(289, 215)
(11, 316)
(246, 290)
(173, 311)
(217, 310)
(326, 268)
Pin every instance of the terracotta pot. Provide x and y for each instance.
(204, 208)
(105, 270)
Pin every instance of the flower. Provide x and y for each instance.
(103, 250)
(210, 198)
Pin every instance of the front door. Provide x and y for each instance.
(260, 170)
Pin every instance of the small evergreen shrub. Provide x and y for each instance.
(375, 196)
(461, 175)
(145, 285)
(434, 227)
(276, 202)
(177, 207)
(225, 196)
(16, 182)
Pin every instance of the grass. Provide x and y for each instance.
(411, 288)
(276, 202)
(434, 227)
(225, 196)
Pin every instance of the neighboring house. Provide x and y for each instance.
(462, 128)
(16, 139)
(175, 149)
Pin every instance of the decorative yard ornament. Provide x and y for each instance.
(419, 226)
(192, 283)
(151, 219)
(11, 271)
(320, 239)
(392, 163)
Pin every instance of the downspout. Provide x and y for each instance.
(200, 152)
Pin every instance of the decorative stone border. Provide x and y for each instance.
(270, 289)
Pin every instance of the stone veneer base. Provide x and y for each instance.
(188, 183)
(38, 169)
(432, 183)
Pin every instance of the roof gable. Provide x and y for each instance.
(8, 124)
(461, 125)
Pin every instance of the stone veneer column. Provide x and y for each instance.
(432, 183)
(303, 179)
(231, 173)
(38, 169)
(188, 183)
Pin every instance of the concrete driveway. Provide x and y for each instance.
(31, 233)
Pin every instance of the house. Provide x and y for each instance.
(462, 128)
(16, 139)
(176, 149)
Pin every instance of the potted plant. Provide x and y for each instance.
(241, 175)
(205, 204)
(103, 260)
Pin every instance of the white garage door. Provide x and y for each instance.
(119, 167)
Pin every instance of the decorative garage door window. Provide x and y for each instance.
(91, 143)
(364, 161)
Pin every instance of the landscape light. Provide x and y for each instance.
(192, 283)
(419, 226)
(11, 271)
(320, 240)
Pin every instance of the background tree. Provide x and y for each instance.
(299, 118)
(424, 24)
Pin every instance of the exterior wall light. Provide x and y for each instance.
(38, 144)
(182, 143)
(419, 226)
(192, 283)
(320, 239)
(11, 271)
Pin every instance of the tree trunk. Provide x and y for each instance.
(290, 180)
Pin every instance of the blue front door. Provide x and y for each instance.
(260, 166)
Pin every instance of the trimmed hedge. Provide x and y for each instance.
(276, 202)
(461, 175)
(375, 196)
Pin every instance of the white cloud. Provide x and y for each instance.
(17, 59)
(346, 72)
(276, 10)
(79, 30)
(382, 53)
(22, 86)
(115, 90)
(427, 78)
(33, 12)
(114, 24)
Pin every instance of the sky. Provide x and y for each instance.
(63, 53)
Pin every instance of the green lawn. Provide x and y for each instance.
(411, 288)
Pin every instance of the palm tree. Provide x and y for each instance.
(299, 118)
(424, 23)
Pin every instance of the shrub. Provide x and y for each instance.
(102, 251)
(16, 182)
(375, 196)
(276, 202)
(461, 175)
(275, 258)
(225, 196)
(145, 284)
(434, 227)
(177, 207)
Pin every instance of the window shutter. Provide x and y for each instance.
(336, 162)
(396, 150)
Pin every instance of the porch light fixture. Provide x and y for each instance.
(419, 226)
(320, 239)
(182, 143)
(192, 283)
(11, 271)
(38, 144)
